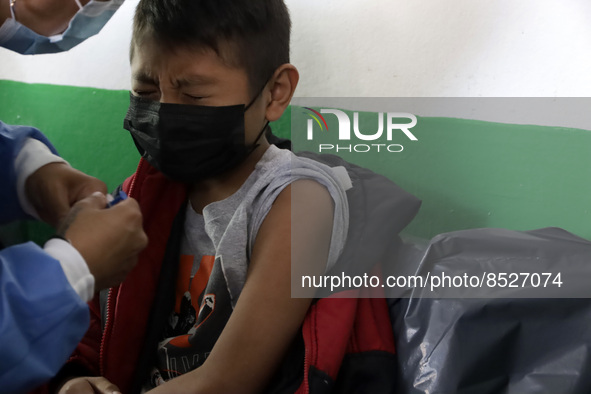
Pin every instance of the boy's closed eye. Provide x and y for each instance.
(153, 93)
(144, 92)
(147, 93)
(194, 97)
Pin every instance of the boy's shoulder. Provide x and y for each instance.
(281, 167)
(278, 168)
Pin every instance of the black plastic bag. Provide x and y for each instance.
(490, 344)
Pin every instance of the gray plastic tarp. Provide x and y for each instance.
(496, 340)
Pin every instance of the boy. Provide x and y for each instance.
(208, 308)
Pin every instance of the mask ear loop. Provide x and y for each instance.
(12, 9)
(255, 97)
(79, 4)
(255, 144)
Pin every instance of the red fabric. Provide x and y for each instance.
(372, 329)
(130, 303)
(87, 352)
(159, 199)
(338, 325)
(327, 330)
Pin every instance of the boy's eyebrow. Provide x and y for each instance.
(145, 78)
(188, 81)
(195, 79)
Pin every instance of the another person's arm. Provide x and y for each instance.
(43, 317)
(39, 184)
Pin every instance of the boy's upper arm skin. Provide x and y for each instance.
(266, 319)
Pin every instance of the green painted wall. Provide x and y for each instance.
(468, 173)
(85, 125)
(472, 173)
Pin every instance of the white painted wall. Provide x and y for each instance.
(383, 48)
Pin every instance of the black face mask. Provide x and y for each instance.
(188, 143)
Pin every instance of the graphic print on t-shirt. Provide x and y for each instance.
(202, 308)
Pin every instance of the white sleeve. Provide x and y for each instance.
(74, 267)
(33, 155)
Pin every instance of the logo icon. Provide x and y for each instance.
(315, 115)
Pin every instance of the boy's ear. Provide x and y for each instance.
(283, 84)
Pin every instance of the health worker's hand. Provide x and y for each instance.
(109, 239)
(89, 385)
(54, 188)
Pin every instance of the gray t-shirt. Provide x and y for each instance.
(215, 252)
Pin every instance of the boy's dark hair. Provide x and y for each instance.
(257, 31)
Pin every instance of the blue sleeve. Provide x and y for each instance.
(42, 319)
(12, 139)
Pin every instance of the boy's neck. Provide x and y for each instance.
(223, 186)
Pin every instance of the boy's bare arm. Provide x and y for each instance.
(266, 319)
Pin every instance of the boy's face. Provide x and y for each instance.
(193, 76)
